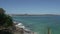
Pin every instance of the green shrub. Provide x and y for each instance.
(5, 20)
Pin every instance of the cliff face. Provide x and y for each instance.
(11, 30)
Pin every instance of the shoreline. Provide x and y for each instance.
(20, 26)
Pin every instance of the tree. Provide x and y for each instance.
(5, 20)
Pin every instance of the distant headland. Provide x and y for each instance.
(34, 15)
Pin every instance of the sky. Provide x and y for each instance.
(31, 6)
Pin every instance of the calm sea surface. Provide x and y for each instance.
(40, 24)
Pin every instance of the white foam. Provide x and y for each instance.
(20, 25)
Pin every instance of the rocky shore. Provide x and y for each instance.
(19, 28)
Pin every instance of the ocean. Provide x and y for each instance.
(40, 24)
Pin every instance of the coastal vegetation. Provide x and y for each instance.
(6, 22)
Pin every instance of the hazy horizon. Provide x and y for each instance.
(31, 6)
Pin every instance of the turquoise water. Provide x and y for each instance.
(40, 23)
